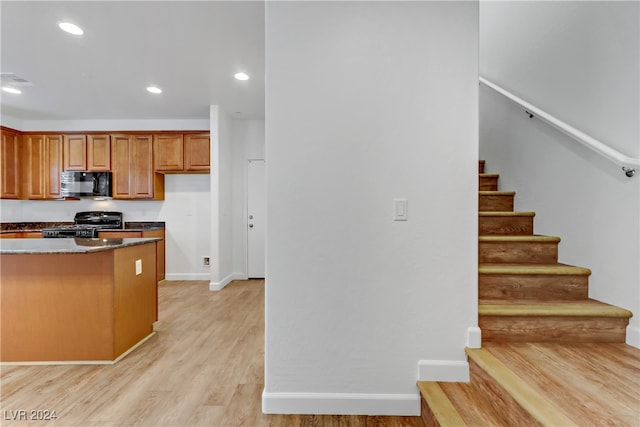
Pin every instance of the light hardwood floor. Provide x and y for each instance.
(204, 367)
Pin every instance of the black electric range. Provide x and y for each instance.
(86, 224)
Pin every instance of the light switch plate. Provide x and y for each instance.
(400, 209)
(138, 267)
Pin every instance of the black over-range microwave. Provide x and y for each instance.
(85, 184)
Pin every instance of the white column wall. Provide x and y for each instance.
(579, 61)
(221, 199)
(368, 102)
(248, 143)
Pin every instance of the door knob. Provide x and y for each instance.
(250, 225)
(250, 216)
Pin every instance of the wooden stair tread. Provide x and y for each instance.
(459, 404)
(505, 213)
(443, 411)
(489, 175)
(518, 238)
(588, 308)
(530, 399)
(533, 269)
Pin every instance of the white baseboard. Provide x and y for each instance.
(218, 286)
(474, 337)
(633, 336)
(341, 404)
(443, 370)
(187, 276)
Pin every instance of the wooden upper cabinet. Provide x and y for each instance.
(75, 152)
(9, 165)
(142, 167)
(197, 152)
(53, 162)
(168, 152)
(33, 166)
(121, 166)
(87, 153)
(132, 165)
(98, 152)
(42, 164)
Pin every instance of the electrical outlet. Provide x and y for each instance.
(205, 261)
(138, 267)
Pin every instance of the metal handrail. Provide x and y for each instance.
(628, 164)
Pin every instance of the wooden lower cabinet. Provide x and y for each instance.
(82, 307)
(160, 246)
(21, 235)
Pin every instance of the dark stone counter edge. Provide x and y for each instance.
(107, 245)
(9, 227)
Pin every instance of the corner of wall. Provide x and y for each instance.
(474, 337)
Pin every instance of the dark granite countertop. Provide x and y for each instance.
(11, 227)
(67, 246)
(145, 225)
(8, 227)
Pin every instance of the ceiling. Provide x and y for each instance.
(190, 49)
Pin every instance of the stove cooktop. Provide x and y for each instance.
(86, 224)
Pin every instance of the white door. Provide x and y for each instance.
(256, 208)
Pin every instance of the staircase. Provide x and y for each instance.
(550, 355)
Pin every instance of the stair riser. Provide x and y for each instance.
(553, 329)
(493, 203)
(532, 287)
(481, 167)
(518, 252)
(427, 416)
(502, 402)
(499, 225)
(488, 183)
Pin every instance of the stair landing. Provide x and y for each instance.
(548, 384)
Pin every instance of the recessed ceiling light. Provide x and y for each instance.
(11, 90)
(241, 76)
(154, 89)
(71, 28)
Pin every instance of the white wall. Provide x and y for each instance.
(367, 102)
(580, 62)
(186, 209)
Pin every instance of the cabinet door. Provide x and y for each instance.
(33, 167)
(75, 152)
(120, 157)
(98, 153)
(53, 165)
(9, 165)
(168, 152)
(197, 152)
(142, 167)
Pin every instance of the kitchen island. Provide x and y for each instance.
(76, 300)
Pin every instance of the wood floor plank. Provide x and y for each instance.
(204, 367)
